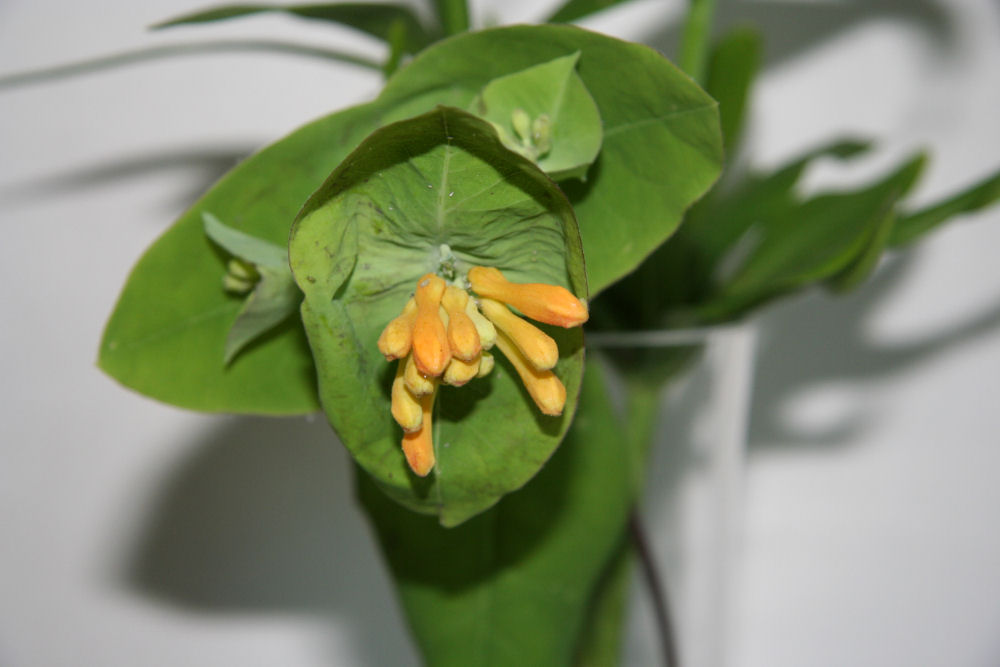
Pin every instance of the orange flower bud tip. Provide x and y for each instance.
(418, 446)
(418, 383)
(406, 408)
(460, 372)
(396, 338)
(419, 451)
(430, 338)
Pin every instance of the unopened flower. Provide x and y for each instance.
(551, 304)
(443, 335)
(430, 338)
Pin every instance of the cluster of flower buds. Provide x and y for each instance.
(445, 335)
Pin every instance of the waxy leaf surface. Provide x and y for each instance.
(167, 335)
(662, 145)
(438, 192)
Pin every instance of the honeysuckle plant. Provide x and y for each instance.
(422, 267)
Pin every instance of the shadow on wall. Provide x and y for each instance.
(820, 340)
(792, 28)
(256, 521)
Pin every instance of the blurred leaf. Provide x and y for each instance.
(601, 641)
(577, 9)
(440, 178)
(800, 243)
(377, 19)
(655, 119)
(683, 273)
(912, 226)
(168, 332)
(552, 91)
(512, 586)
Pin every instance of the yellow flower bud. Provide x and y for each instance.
(486, 362)
(551, 304)
(395, 340)
(460, 371)
(543, 386)
(406, 408)
(418, 383)
(487, 332)
(538, 348)
(430, 338)
(418, 446)
(463, 338)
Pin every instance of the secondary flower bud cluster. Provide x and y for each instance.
(445, 335)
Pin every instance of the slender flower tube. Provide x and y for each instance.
(543, 386)
(430, 338)
(551, 304)
(463, 337)
(418, 446)
(537, 346)
(397, 336)
(487, 332)
(406, 409)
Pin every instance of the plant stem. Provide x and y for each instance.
(696, 38)
(657, 590)
(453, 15)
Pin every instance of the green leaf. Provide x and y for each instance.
(275, 295)
(167, 335)
(257, 251)
(377, 19)
(577, 9)
(662, 144)
(552, 91)
(912, 226)
(513, 585)
(416, 196)
(798, 244)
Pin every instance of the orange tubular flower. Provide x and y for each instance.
(543, 386)
(418, 446)
(443, 335)
(430, 338)
(551, 304)
(537, 346)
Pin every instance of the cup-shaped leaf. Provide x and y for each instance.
(438, 193)
(553, 93)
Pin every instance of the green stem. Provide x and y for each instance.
(453, 15)
(696, 38)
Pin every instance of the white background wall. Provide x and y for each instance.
(134, 533)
